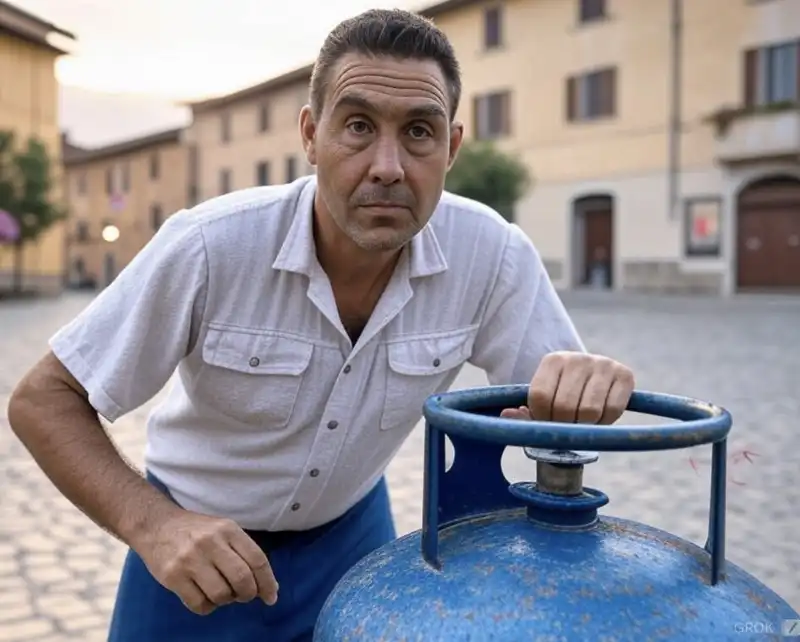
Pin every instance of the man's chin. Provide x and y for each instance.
(382, 240)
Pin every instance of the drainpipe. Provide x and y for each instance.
(676, 55)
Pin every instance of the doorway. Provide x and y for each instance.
(593, 241)
(768, 235)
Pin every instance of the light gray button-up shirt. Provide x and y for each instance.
(275, 419)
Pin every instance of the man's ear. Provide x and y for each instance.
(456, 138)
(308, 133)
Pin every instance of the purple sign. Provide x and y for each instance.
(9, 228)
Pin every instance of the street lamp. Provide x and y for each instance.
(110, 233)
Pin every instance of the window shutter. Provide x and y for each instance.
(750, 82)
(476, 118)
(797, 82)
(572, 98)
(506, 107)
(609, 92)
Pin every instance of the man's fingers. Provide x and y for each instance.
(213, 585)
(618, 398)
(516, 413)
(593, 400)
(237, 573)
(193, 598)
(256, 559)
(543, 390)
(568, 394)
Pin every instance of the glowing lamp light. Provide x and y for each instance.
(110, 233)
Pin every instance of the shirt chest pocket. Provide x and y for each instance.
(420, 367)
(253, 377)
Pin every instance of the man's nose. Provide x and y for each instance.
(387, 165)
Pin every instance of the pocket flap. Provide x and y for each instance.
(432, 354)
(256, 353)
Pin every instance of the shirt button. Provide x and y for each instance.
(314, 472)
(295, 506)
(436, 362)
(254, 361)
(347, 368)
(333, 424)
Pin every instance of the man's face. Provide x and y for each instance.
(382, 146)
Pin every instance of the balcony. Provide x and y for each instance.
(746, 135)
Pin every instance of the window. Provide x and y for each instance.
(291, 168)
(126, 178)
(225, 128)
(492, 115)
(492, 27)
(156, 217)
(155, 166)
(82, 232)
(263, 118)
(80, 186)
(224, 181)
(592, 95)
(262, 173)
(591, 10)
(110, 180)
(772, 74)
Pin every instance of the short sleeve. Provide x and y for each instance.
(524, 319)
(126, 344)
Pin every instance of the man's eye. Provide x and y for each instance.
(358, 127)
(419, 132)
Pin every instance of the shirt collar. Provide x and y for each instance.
(298, 251)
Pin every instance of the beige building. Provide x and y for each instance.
(248, 138)
(29, 107)
(611, 103)
(119, 195)
(663, 137)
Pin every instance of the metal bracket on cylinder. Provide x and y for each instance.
(476, 485)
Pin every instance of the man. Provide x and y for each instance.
(307, 324)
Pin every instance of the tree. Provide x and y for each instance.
(25, 185)
(490, 176)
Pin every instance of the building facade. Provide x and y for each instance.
(29, 107)
(663, 137)
(248, 138)
(119, 195)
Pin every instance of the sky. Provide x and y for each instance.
(134, 59)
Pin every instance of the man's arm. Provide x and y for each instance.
(524, 318)
(527, 336)
(50, 413)
(116, 355)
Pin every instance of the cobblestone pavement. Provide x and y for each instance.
(58, 572)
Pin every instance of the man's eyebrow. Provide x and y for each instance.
(427, 111)
(430, 110)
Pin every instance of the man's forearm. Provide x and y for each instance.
(65, 437)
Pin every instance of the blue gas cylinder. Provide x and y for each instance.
(535, 561)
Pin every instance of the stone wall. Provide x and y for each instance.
(668, 277)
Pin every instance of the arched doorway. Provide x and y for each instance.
(593, 241)
(768, 234)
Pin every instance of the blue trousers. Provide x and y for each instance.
(307, 567)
